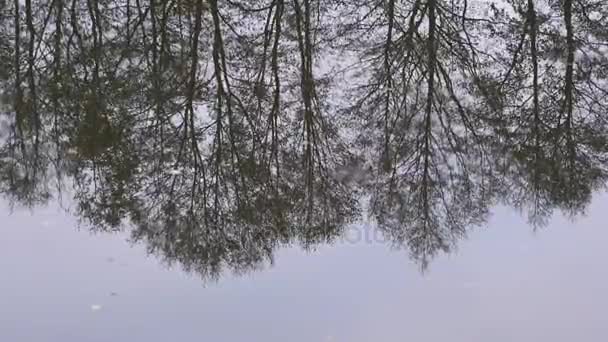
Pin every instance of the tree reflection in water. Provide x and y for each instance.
(217, 131)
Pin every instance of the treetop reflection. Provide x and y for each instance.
(217, 131)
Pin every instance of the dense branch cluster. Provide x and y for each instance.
(220, 129)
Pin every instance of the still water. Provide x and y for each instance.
(218, 157)
(504, 283)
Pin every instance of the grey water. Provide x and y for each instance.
(303, 170)
(505, 283)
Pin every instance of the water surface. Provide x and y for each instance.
(505, 283)
(216, 157)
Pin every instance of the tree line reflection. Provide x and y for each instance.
(218, 131)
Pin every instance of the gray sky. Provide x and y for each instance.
(505, 283)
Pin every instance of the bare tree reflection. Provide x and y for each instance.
(551, 122)
(218, 131)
